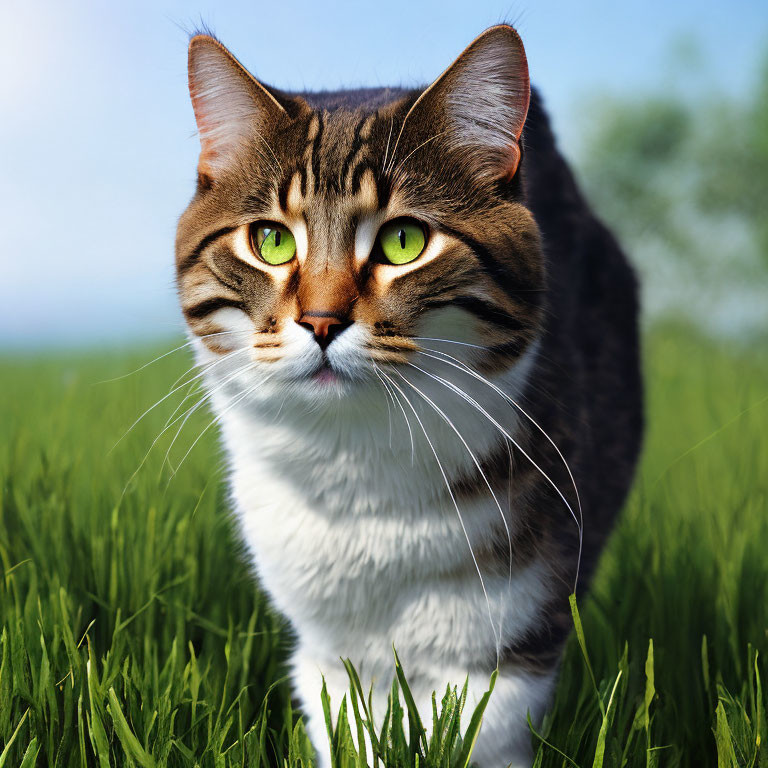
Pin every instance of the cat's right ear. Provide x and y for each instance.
(230, 105)
(479, 104)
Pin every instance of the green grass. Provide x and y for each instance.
(132, 633)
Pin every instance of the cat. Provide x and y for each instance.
(422, 351)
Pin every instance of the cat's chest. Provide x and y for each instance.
(353, 522)
(393, 525)
(359, 530)
(347, 573)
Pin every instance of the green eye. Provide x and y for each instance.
(402, 240)
(274, 243)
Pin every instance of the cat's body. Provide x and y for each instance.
(374, 497)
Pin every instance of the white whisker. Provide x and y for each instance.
(396, 170)
(191, 392)
(188, 413)
(450, 341)
(180, 379)
(176, 389)
(533, 421)
(165, 354)
(396, 399)
(456, 506)
(274, 157)
(389, 409)
(388, 169)
(517, 405)
(190, 383)
(200, 402)
(146, 365)
(479, 469)
(389, 137)
(472, 401)
(217, 420)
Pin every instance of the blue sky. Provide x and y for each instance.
(97, 134)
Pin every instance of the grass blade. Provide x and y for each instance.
(473, 730)
(418, 735)
(603, 734)
(726, 756)
(4, 754)
(127, 738)
(30, 756)
(583, 645)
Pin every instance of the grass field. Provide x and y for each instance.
(132, 632)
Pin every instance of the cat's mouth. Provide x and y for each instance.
(328, 375)
(336, 373)
(325, 374)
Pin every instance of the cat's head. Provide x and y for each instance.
(325, 245)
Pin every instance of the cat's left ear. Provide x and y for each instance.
(231, 106)
(480, 103)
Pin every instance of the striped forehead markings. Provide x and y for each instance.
(293, 188)
(313, 130)
(357, 176)
(315, 152)
(346, 180)
(359, 146)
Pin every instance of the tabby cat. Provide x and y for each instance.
(419, 343)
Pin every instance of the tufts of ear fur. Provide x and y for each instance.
(481, 102)
(230, 105)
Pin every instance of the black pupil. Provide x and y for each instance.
(277, 238)
(401, 236)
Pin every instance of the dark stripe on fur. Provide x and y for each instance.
(315, 155)
(513, 348)
(540, 650)
(197, 311)
(303, 181)
(282, 193)
(201, 246)
(498, 272)
(486, 312)
(383, 189)
(357, 142)
(357, 175)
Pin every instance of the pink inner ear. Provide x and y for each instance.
(207, 145)
(212, 148)
(218, 113)
(511, 161)
(206, 130)
(223, 100)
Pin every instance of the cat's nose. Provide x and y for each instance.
(325, 326)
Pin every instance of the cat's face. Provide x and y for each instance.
(322, 247)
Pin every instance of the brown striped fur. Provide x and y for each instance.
(330, 168)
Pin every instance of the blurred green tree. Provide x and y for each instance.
(681, 175)
(735, 164)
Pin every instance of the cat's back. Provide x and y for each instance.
(588, 385)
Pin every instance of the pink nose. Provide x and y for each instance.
(325, 326)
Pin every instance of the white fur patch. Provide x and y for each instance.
(365, 235)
